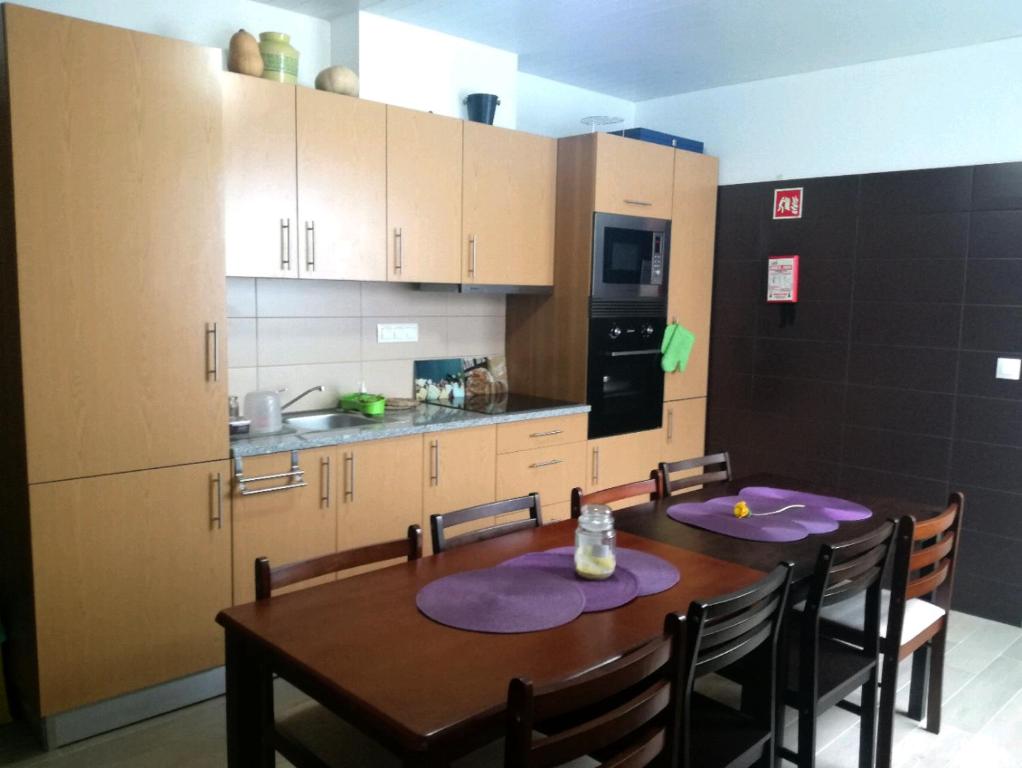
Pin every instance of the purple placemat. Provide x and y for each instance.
(830, 506)
(653, 573)
(602, 595)
(501, 600)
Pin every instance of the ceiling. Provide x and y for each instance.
(644, 49)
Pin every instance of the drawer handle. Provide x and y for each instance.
(596, 464)
(547, 434)
(296, 475)
(324, 498)
(639, 202)
(550, 463)
(670, 424)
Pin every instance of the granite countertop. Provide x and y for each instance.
(415, 421)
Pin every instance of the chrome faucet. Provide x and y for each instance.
(289, 403)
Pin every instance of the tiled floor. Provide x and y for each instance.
(982, 724)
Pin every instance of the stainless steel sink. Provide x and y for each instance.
(320, 422)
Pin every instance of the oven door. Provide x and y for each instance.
(630, 257)
(625, 381)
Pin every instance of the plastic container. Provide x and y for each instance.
(262, 409)
(482, 107)
(595, 543)
(280, 59)
(370, 405)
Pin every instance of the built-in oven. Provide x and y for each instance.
(625, 385)
(630, 257)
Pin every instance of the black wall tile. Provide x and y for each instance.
(992, 328)
(927, 370)
(732, 356)
(997, 186)
(801, 359)
(798, 398)
(901, 236)
(915, 325)
(976, 376)
(818, 439)
(937, 189)
(985, 420)
(746, 461)
(996, 235)
(739, 281)
(733, 318)
(996, 467)
(991, 557)
(992, 281)
(898, 452)
(924, 413)
(823, 279)
(860, 480)
(989, 598)
(910, 280)
(992, 512)
(814, 320)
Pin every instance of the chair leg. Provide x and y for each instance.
(807, 736)
(920, 681)
(885, 723)
(936, 681)
(868, 722)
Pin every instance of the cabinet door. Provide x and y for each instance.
(118, 199)
(510, 181)
(423, 197)
(259, 179)
(634, 177)
(294, 523)
(459, 470)
(342, 187)
(380, 491)
(690, 271)
(622, 459)
(684, 429)
(129, 571)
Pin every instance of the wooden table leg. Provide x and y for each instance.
(249, 706)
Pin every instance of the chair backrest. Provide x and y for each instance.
(268, 579)
(931, 566)
(716, 469)
(440, 523)
(623, 710)
(650, 487)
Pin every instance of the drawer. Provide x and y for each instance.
(551, 472)
(538, 433)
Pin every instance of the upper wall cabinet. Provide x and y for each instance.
(509, 190)
(635, 178)
(260, 183)
(423, 197)
(119, 234)
(342, 186)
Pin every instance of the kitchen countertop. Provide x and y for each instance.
(415, 421)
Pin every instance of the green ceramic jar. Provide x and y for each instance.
(280, 59)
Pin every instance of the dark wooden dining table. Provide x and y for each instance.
(430, 693)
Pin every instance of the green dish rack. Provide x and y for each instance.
(370, 405)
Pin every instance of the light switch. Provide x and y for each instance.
(1009, 368)
(397, 333)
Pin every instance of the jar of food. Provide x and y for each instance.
(595, 542)
(280, 59)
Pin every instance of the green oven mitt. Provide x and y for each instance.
(676, 347)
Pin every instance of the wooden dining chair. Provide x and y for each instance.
(650, 487)
(716, 468)
(311, 736)
(440, 523)
(914, 619)
(641, 709)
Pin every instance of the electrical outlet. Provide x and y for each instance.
(1008, 368)
(397, 333)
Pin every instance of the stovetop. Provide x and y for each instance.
(506, 403)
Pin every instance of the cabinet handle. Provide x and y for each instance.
(398, 248)
(670, 424)
(212, 369)
(596, 464)
(310, 246)
(217, 511)
(472, 256)
(349, 480)
(639, 202)
(285, 245)
(540, 464)
(434, 472)
(324, 498)
(547, 434)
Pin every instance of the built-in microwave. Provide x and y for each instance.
(630, 257)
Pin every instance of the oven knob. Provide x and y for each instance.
(647, 330)
(615, 331)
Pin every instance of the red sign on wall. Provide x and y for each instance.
(782, 279)
(788, 203)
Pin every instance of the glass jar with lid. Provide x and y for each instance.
(595, 556)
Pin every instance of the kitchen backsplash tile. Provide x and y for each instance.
(300, 333)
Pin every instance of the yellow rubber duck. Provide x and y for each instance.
(741, 509)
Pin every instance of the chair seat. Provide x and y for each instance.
(842, 669)
(920, 615)
(722, 735)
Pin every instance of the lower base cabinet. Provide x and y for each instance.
(684, 429)
(130, 570)
(459, 470)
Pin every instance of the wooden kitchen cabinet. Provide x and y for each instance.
(424, 161)
(622, 459)
(118, 214)
(551, 472)
(260, 180)
(684, 429)
(509, 191)
(690, 273)
(342, 186)
(633, 177)
(129, 571)
(459, 470)
(293, 523)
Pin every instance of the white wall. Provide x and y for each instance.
(421, 69)
(206, 22)
(955, 107)
(552, 108)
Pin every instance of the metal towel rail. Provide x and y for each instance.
(296, 475)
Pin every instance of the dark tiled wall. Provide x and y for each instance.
(911, 287)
